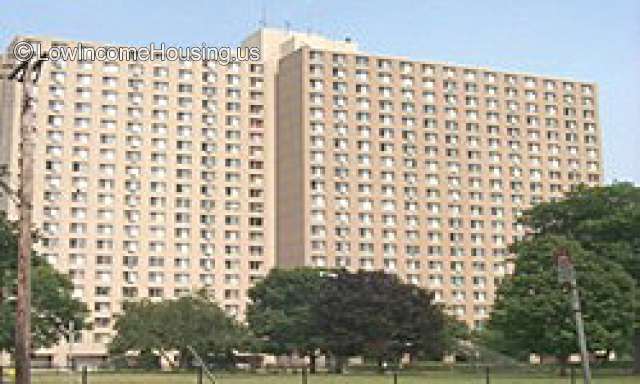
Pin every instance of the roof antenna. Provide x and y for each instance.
(287, 25)
(263, 17)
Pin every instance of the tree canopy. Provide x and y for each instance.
(376, 314)
(177, 325)
(53, 306)
(604, 220)
(532, 313)
(280, 312)
(344, 314)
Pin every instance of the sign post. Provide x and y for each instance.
(567, 277)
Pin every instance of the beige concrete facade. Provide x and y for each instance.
(155, 179)
(420, 168)
(150, 181)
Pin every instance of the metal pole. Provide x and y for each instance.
(203, 366)
(573, 375)
(1, 374)
(395, 377)
(584, 354)
(200, 371)
(487, 375)
(567, 276)
(85, 375)
(23, 306)
(70, 352)
(304, 375)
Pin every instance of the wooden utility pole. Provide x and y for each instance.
(28, 73)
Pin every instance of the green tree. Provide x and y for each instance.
(375, 314)
(456, 338)
(606, 221)
(280, 312)
(532, 313)
(140, 328)
(53, 307)
(178, 325)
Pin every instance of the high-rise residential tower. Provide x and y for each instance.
(422, 168)
(151, 180)
(157, 178)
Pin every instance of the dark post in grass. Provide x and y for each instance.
(200, 374)
(395, 377)
(304, 375)
(1, 374)
(85, 375)
(487, 376)
(573, 374)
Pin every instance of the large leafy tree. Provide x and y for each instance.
(178, 325)
(376, 314)
(532, 313)
(606, 221)
(281, 313)
(52, 304)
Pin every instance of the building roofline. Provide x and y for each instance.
(357, 53)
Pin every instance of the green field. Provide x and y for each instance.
(428, 378)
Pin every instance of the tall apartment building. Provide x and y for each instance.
(151, 180)
(155, 179)
(421, 168)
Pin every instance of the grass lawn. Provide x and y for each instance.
(428, 378)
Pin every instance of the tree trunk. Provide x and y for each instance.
(339, 362)
(184, 359)
(564, 360)
(312, 363)
(636, 351)
(2, 272)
